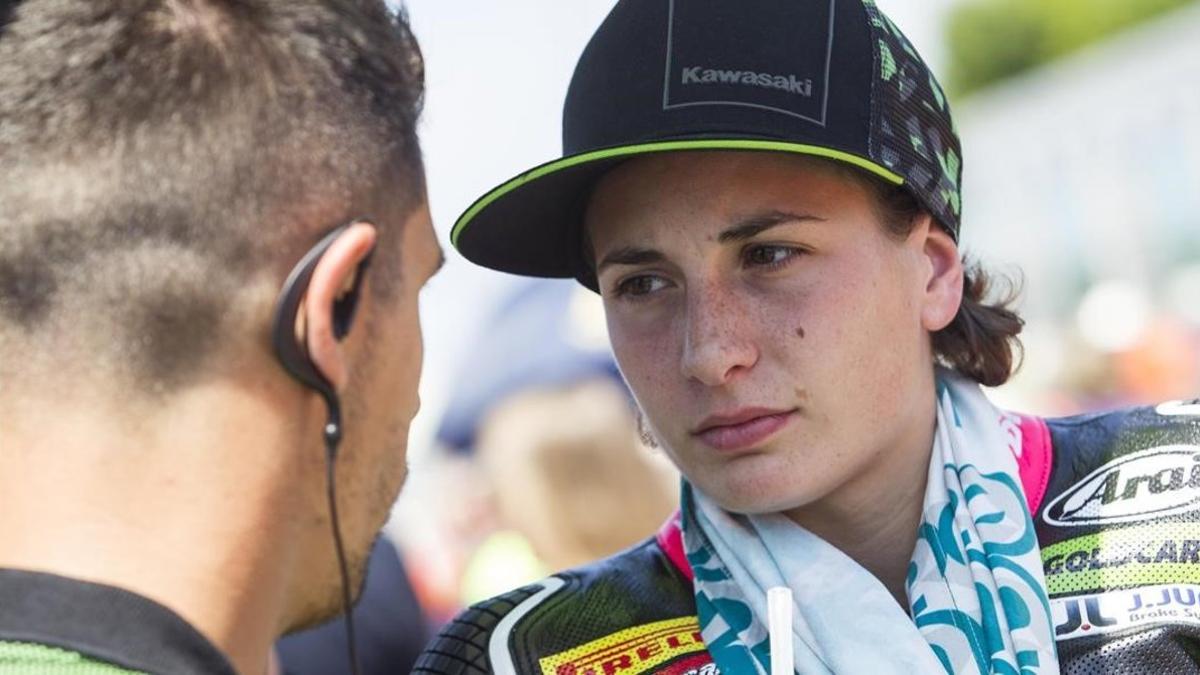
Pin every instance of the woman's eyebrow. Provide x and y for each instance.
(748, 227)
(630, 255)
(741, 231)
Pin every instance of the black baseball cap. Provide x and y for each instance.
(826, 78)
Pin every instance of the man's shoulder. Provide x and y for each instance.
(633, 611)
(19, 658)
(57, 624)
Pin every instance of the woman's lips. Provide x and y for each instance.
(744, 434)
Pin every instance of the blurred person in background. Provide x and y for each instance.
(190, 193)
(555, 456)
(569, 474)
(767, 197)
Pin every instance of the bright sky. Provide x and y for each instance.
(497, 73)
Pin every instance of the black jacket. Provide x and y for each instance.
(1116, 502)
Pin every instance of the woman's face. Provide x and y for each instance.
(774, 335)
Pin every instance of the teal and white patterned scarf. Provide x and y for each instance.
(976, 592)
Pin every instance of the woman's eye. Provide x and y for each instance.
(641, 285)
(769, 256)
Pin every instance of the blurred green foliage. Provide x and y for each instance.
(990, 40)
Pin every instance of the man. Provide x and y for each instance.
(169, 393)
(766, 196)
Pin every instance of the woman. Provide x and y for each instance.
(766, 195)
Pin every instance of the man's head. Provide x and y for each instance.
(163, 164)
(777, 317)
(160, 157)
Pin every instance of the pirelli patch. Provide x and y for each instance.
(641, 649)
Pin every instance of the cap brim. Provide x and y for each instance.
(530, 224)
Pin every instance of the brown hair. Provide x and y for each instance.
(982, 341)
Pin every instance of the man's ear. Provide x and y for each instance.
(335, 276)
(944, 283)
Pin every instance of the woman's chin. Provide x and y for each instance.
(756, 495)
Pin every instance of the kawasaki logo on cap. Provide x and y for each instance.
(788, 83)
(1140, 486)
(787, 71)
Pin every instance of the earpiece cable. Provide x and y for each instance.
(295, 359)
(331, 491)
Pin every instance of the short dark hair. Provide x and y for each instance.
(158, 157)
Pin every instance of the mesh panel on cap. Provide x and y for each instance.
(912, 132)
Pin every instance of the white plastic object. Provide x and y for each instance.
(779, 626)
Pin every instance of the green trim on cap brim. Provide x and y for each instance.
(664, 146)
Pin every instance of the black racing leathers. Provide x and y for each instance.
(1119, 528)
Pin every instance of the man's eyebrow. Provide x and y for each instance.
(630, 256)
(761, 222)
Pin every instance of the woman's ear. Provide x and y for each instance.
(335, 276)
(944, 284)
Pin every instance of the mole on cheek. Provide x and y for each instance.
(800, 332)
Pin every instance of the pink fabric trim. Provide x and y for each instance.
(1033, 463)
(670, 540)
(1036, 459)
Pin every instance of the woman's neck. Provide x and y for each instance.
(874, 518)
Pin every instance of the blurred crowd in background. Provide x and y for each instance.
(1082, 172)
(1082, 155)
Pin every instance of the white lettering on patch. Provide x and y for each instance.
(1135, 487)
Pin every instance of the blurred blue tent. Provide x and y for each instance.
(548, 333)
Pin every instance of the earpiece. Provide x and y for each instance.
(295, 359)
(291, 352)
